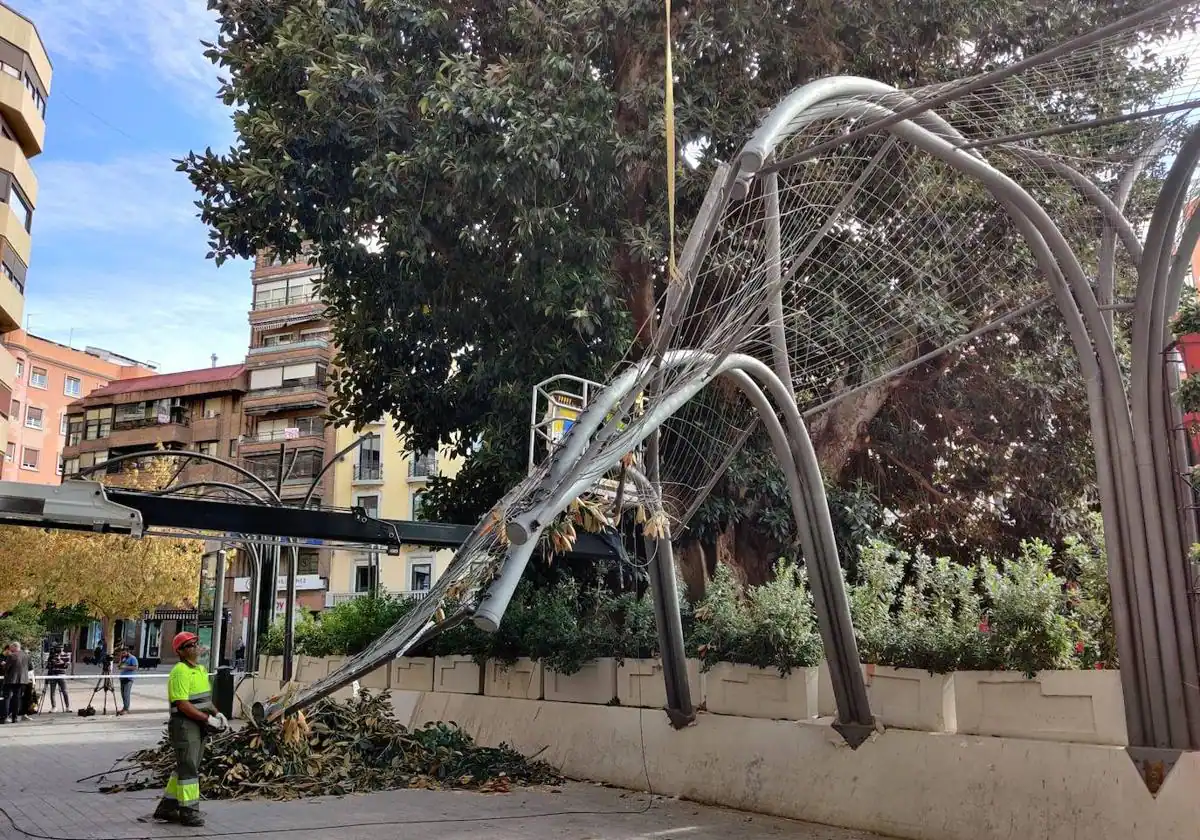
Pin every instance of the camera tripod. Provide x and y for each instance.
(105, 687)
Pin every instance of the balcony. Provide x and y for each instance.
(133, 433)
(22, 114)
(332, 599)
(294, 394)
(368, 474)
(282, 301)
(318, 344)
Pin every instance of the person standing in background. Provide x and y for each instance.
(56, 667)
(127, 665)
(16, 676)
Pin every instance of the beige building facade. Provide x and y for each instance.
(24, 90)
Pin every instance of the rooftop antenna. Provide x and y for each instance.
(214, 359)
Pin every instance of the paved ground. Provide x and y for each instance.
(42, 761)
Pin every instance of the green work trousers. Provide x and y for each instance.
(183, 788)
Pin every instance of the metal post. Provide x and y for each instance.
(254, 594)
(214, 653)
(665, 592)
(289, 613)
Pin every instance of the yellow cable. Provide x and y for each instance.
(669, 115)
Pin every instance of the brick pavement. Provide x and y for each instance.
(41, 761)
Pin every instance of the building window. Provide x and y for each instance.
(98, 423)
(62, 425)
(369, 466)
(20, 206)
(10, 452)
(307, 562)
(58, 468)
(418, 501)
(73, 386)
(233, 448)
(278, 338)
(366, 577)
(74, 429)
(29, 458)
(420, 576)
(12, 276)
(38, 99)
(423, 466)
(370, 505)
(207, 447)
(212, 408)
(20, 368)
(33, 417)
(14, 410)
(38, 378)
(71, 466)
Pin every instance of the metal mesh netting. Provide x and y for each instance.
(880, 252)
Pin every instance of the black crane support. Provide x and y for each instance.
(312, 524)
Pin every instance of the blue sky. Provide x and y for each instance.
(118, 253)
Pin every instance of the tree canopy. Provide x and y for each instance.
(108, 575)
(484, 188)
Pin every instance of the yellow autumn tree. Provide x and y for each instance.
(113, 576)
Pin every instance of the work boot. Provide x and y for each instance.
(190, 817)
(166, 813)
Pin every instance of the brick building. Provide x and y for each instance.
(49, 377)
(196, 409)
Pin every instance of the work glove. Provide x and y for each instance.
(217, 722)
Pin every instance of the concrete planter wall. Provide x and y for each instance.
(270, 667)
(595, 682)
(908, 698)
(902, 698)
(412, 673)
(640, 683)
(522, 680)
(457, 675)
(1083, 707)
(731, 689)
(309, 668)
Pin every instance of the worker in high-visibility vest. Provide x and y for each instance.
(192, 714)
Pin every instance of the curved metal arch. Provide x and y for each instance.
(1110, 418)
(175, 453)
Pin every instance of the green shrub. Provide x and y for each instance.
(771, 627)
(937, 622)
(344, 630)
(22, 624)
(1028, 626)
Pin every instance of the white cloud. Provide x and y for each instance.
(136, 193)
(158, 37)
(174, 317)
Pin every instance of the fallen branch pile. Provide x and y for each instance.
(339, 748)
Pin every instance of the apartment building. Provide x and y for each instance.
(50, 376)
(287, 365)
(198, 410)
(387, 481)
(24, 90)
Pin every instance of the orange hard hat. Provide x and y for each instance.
(182, 639)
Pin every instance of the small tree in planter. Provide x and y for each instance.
(1027, 622)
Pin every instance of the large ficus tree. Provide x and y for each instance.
(484, 184)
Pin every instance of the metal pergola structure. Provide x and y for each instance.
(1133, 421)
